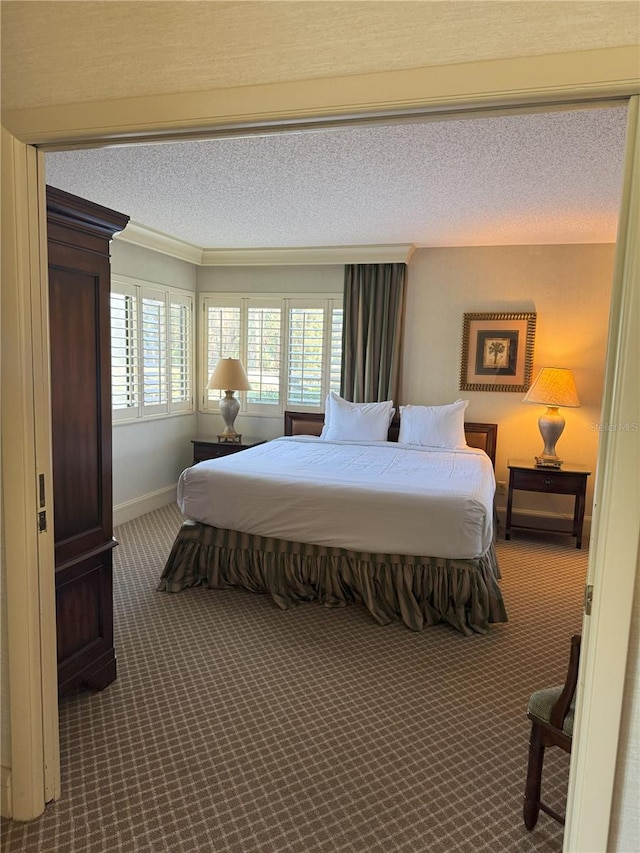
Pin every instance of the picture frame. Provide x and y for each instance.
(497, 351)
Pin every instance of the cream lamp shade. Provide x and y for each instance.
(554, 387)
(229, 376)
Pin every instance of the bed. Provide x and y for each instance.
(248, 525)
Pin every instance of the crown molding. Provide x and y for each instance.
(309, 255)
(437, 90)
(149, 238)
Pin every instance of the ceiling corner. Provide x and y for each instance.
(149, 238)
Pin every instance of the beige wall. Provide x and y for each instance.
(325, 278)
(145, 264)
(567, 286)
(123, 49)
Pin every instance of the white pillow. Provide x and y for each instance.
(346, 421)
(327, 416)
(331, 396)
(433, 426)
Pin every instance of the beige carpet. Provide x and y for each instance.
(234, 727)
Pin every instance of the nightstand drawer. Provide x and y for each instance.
(203, 450)
(548, 481)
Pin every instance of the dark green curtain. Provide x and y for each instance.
(372, 331)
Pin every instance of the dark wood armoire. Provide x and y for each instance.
(78, 236)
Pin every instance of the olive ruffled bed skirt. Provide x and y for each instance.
(418, 591)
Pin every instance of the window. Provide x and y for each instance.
(306, 339)
(151, 350)
(155, 391)
(124, 351)
(335, 352)
(263, 359)
(181, 350)
(291, 348)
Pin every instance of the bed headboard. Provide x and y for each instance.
(483, 436)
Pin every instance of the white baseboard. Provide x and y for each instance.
(129, 510)
(6, 805)
(536, 518)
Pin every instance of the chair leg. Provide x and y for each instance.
(534, 778)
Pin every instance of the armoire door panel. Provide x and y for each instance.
(78, 238)
(84, 618)
(76, 409)
(78, 609)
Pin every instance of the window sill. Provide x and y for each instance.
(116, 422)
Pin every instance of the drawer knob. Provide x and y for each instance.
(548, 482)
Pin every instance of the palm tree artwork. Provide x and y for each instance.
(496, 348)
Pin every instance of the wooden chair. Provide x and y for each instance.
(551, 712)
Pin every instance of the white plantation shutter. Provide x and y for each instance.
(151, 350)
(305, 356)
(125, 366)
(222, 334)
(180, 352)
(335, 350)
(155, 388)
(263, 358)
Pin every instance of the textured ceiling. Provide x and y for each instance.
(527, 179)
(62, 52)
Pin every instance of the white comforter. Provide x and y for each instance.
(376, 497)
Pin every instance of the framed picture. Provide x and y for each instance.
(497, 352)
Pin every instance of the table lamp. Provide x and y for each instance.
(229, 376)
(553, 387)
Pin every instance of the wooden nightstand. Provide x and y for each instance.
(569, 480)
(203, 449)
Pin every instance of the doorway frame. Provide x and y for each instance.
(27, 477)
(568, 80)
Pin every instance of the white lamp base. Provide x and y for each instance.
(551, 425)
(229, 408)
